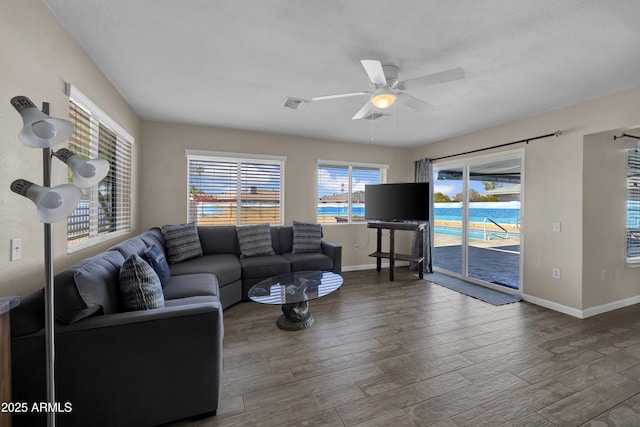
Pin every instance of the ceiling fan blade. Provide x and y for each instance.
(366, 110)
(436, 78)
(340, 95)
(413, 102)
(374, 70)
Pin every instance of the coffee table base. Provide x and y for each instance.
(295, 317)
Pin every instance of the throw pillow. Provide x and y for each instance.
(182, 242)
(156, 258)
(306, 238)
(140, 285)
(254, 240)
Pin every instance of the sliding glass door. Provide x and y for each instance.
(477, 220)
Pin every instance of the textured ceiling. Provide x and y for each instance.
(232, 63)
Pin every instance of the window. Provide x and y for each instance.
(341, 186)
(633, 204)
(104, 210)
(233, 189)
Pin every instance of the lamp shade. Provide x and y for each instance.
(86, 172)
(383, 98)
(40, 130)
(53, 204)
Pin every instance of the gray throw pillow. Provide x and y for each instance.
(182, 242)
(254, 240)
(306, 238)
(140, 285)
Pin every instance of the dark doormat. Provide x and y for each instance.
(480, 292)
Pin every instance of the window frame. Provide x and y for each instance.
(632, 167)
(383, 171)
(123, 157)
(239, 159)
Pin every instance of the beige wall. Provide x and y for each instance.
(564, 180)
(37, 58)
(164, 178)
(604, 221)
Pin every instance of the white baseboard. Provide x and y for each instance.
(554, 306)
(610, 306)
(582, 314)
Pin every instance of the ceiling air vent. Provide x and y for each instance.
(374, 116)
(295, 103)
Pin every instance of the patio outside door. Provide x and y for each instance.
(477, 220)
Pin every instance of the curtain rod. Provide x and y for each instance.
(556, 133)
(624, 135)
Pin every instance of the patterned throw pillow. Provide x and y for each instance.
(156, 258)
(140, 285)
(182, 242)
(254, 240)
(306, 238)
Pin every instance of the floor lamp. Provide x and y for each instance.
(52, 204)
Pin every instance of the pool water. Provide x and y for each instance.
(473, 234)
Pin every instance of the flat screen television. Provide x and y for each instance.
(397, 202)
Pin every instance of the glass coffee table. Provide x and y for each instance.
(294, 291)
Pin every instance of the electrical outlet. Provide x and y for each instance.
(16, 249)
(556, 227)
(604, 274)
(555, 273)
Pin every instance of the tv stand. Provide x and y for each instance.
(392, 255)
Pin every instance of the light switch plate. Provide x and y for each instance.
(16, 249)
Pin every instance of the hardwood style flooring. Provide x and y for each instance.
(412, 353)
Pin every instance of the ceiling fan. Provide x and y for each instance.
(387, 88)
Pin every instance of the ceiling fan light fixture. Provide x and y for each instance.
(383, 98)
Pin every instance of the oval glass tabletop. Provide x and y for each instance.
(295, 287)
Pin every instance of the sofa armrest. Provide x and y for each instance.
(335, 252)
(129, 369)
(130, 317)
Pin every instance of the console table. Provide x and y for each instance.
(6, 304)
(392, 255)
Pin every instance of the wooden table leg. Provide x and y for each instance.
(379, 249)
(392, 253)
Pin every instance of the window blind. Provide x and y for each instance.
(341, 190)
(232, 191)
(633, 204)
(104, 210)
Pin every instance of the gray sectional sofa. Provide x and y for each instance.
(148, 367)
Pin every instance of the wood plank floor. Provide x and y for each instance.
(411, 353)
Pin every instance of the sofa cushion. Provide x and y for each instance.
(306, 238)
(140, 285)
(70, 306)
(255, 240)
(182, 242)
(191, 300)
(157, 260)
(97, 281)
(219, 239)
(131, 246)
(191, 285)
(309, 261)
(153, 236)
(226, 267)
(264, 266)
(285, 239)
